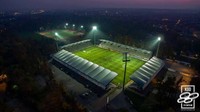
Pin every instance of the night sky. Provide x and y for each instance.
(78, 4)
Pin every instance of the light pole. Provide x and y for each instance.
(56, 34)
(66, 25)
(125, 59)
(81, 28)
(94, 28)
(159, 39)
(73, 26)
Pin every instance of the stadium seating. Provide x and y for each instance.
(143, 76)
(100, 76)
(94, 73)
(134, 52)
(77, 45)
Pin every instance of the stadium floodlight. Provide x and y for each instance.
(81, 26)
(56, 33)
(94, 28)
(159, 39)
(125, 60)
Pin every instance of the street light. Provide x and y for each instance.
(94, 28)
(125, 59)
(159, 39)
(81, 26)
(66, 24)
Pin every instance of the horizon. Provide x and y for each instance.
(96, 9)
(6, 5)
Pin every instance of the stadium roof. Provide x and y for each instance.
(93, 72)
(76, 43)
(138, 53)
(125, 46)
(143, 76)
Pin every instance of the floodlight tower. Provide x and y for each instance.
(94, 28)
(56, 34)
(66, 25)
(73, 26)
(159, 39)
(125, 60)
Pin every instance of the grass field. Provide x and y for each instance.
(62, 34)
(111, 60)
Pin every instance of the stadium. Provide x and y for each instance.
(99, 66)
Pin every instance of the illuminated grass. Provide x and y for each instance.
(111, 60)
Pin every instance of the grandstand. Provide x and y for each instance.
(134, 52)
(143, 76)
(77, 45)
(94, 73)
(100, 76)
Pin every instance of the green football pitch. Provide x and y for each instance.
(111, 60)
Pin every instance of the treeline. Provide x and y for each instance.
(24, 59)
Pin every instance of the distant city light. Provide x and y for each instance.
(94, 28)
